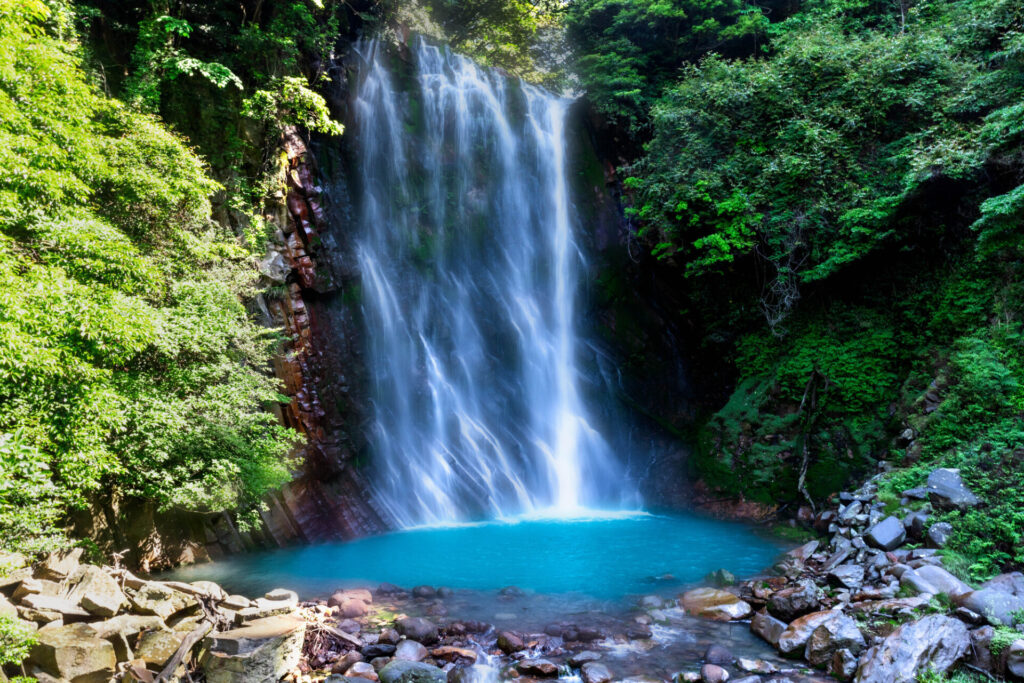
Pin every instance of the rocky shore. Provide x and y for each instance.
(869, 602)
(873, 603)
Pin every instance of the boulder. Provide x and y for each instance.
(363, 671)
(938, 535)
(843, 665)
(418, 629)
(127, 625)
(375, 650)
(595, 672)
(264, 608)
(58, 565)
(156, 598)
(449, 653)
(410, 651)
(541, 668)
(1012, 583)
(263, 650)
(714, 604)
(767, 626)
(794, 639)
(995, 605)
(157, 647)
(211, 589)
(847, 576)
(794, 601)
(712, 673)
(581, 658)
(1015, 658)
(942, 580)
(831, 636)
(947, 491)
(285, 595)
(934, 643)
(74, 653)
(716, 654)
(96, 591)
(509, 642)
(914, 582)
(62, 607)
(424, 592)
(888, 534)
(35, 587)
(399, 671)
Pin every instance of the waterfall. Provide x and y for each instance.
(469, 284)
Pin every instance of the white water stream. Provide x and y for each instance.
(470, 270)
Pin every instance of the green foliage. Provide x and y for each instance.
(16, 640)
(630, 50)
(292, 103)
(30, 503)
(819, 155)
(127, 360)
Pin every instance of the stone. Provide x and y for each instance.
(541, 668)
(67, 609)
(804, 552)
(157, 647)
(767, 627)
(847, 576)
(389, 636)
(35, 587)
(400, 671)
(843, 665)
(236, 602)
(156, 598)
(981, 648)
(888, 534)
(719, 578)
(58, 565)
(1012, 583)
(424, 592)
(74, 653)
(581, 658)
(7, 608)
(375, 650)
(509, 642)
(274, 267)
(342, 664)
(943, 581)
(934, 643)
(712, 673)
(127, 625)
(363, 670)
(449, 653)
(716, 654)
(995, 605)
(794, 601)
(947, 491)
(210, 589)
(411, 651)
(1015, 658)
(263, 650)
(379, 663)
(938, 535)
(794, 639)
(755, 666)
(595, 672)
(262, 609)
(831, 636)
(714, 604)
(418, 629)
(848, 513)
(96, 591)
(283, 594)
(917, 584)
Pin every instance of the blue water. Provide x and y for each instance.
(606, 558)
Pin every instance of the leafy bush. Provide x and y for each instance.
(16, 640)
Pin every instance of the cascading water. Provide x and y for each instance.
(469, 271)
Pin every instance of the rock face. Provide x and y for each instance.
(888, 534)
(399, 671)
(74, 653)
(263, 651)
(714, 604)
(935, 643)
(946, 490)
